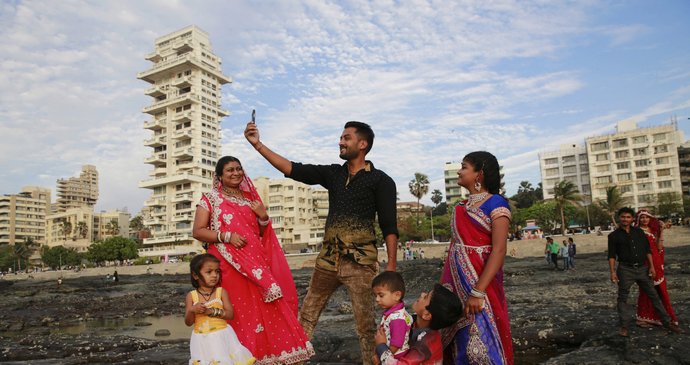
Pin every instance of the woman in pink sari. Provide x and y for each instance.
(474, 267)
(232, 219)
(646, 315)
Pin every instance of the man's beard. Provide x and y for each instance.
(348, 155)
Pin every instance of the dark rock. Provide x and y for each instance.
(162, 332)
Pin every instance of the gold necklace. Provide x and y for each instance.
(206, 296)
(231, 191)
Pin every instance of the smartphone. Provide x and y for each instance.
(253, 115)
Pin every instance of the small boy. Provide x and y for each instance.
(389, 289)
(435, 310)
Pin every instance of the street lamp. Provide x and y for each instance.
(432, 225)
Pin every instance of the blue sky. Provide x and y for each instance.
(435, 79)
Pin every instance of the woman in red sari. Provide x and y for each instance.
(232, 219)
(646, 315)
(474, 267)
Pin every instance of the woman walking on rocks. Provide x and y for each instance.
(474, 267)
(646, 315)
(232, 219)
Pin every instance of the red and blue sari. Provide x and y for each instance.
(485, 338)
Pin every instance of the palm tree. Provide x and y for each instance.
(65, 229)
(565, 193)
(419, 186)
(22, 252)
(82, 229)
(614, 201)
(436, 197)
(112, 228)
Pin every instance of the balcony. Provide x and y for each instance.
(157, 159)
(182, 117)
(183, 46)
(158, 171)
(153, 222)
(153, 57)
(183, 134)
(182, 82)
(188, 197)
(154, 91)
(186, 217)
(162, 69)
(156, 124)
(153, 202)
(184, 152)
(178, 178)
(170, 103)
(156, 141)
(223, 112)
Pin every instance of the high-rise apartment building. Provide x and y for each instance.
(186, 113)
(79, 227)
(296, 210)
(641, 162)
(454, 192)
(22, 216)
(76, 192)
(568, 163)
(684, 164)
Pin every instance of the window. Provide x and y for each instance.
(640, 151)
(603, 179)
(640, 163)
(600, 146)
(659, 137)
(602, 157)
(639, 139)
(624, 177)
(568, 159)
(584, 168)
(625, 188)
(623, 165)
(552, 172)
(665, 184)
(662, 160)
(647, 198)
(583, 157)
(661, 149)
(642, 174)
(622, 154)
(570, 170)
(642, 187)
(617, 143)
(663, 172)
(605, 168)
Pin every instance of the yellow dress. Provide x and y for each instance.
(213, 341)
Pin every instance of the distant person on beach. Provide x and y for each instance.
(646, 315)
(358, 194)
(629, 246)
(572, 250)
(564, 255)
(434, 311)
(208, 307)
(116, 278)
(553, 249)
(474, 267)
(233, 221)
(389, 290)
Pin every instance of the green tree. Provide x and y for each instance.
(614, 201)
(669, 204)
(436, 197)
(82, 229)
(58, 256)
(65, 229)
(419, 186)
(113, 249)
(565, 193)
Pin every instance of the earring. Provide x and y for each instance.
(477, 186)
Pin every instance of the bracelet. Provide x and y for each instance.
(259, 146)
(477, 293)
(219, 240)
(227, 237)
(264, 223)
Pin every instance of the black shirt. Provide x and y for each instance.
(354, 202)
(629, 248)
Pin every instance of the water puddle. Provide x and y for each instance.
(132, 327)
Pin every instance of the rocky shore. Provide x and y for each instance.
(556, 317)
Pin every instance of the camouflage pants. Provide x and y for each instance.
(357, 279)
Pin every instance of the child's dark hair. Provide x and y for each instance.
(196, 264)
(391, 280)
(445, 308)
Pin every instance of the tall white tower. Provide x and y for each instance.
(186, 80)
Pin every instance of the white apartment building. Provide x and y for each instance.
(83, 227)
(81, 191)
(642, 162)
(297, 210)
(568, 163)
(22, 216)
(186, 113)
(454, 192)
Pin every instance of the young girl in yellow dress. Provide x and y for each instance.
(208, 307)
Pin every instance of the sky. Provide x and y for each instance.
(435, 80)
